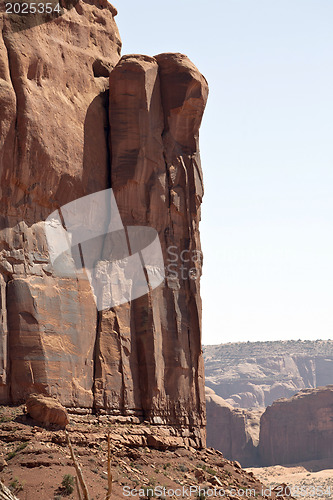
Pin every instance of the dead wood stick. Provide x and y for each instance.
(108, 496)
(5, 493)
(78, 469)
(78, 488)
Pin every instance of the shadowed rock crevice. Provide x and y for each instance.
(4, 359)
(96, 360)
(101, 69)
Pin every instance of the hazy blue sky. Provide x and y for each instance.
(267, 155)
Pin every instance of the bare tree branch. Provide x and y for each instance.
(78, 488)
(108, 496)
(78, 469)
(5, 493)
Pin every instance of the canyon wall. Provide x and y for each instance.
(298, 429)
(76, 118)
(233, 431)
(290, 431)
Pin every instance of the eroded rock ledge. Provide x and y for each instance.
(76, 119)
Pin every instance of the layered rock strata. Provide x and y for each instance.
(75, 120)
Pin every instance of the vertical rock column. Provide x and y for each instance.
(184, 94)
(150, 350)
(127, 375)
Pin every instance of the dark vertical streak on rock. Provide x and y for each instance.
(96, 355)
(122, 395)
(5, 380)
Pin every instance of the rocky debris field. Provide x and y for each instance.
(36, 462)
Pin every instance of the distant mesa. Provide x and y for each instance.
(254, 374)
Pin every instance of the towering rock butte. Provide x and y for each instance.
(77, 119)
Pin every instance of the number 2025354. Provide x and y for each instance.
(32, 8)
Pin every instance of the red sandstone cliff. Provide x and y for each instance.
(76, 119)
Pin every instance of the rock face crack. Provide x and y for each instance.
(96, 354)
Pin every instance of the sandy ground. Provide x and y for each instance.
(309, 480)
